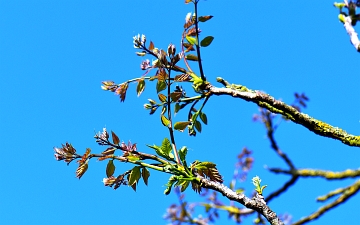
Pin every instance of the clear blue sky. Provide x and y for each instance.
(54, 55)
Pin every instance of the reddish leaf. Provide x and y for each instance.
(175, 96)
(151, 46)
(205, 18)
(162, 97)
(109, 151)
(81, 170)
(191, 57)
(115, 138)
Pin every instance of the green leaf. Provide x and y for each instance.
(197, 126)
(145, 175)
(206, 41)
(115, 138)
(191, 40)
(162, 97)
(203, 118)
(157, 149)
(181, 126)
(134, 175)
(133, 158)
(182, 153)
(140, 87)
(191, 57)
(169, 184)
(165, 121)
(166, 148)
(160, 86)
(184, 185)
(177, 107)
(205, 18)
(110, 168)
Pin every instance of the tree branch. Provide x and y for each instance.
(266, 101)
(257, 203)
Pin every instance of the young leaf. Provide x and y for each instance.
(205, 18)
(177, 107)
(191, 40)
(206, 41)
(208, 169)
(145, 175)
(169, 185)
(166, 148)
(203, 118)
(151, 46)
(160, 86)
(140, 87)
(165, 121)
(110, 168)
(181, 126)
(134, 175)
(175, 96)
(191, 57)
(157, 149)
(196, 187)
(184, 184)
(162, 97)
(197, 126)
(182, 153)
(115, 138)
(81, 170)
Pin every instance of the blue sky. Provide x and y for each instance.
(54, 55)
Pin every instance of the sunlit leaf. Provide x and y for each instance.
(182, 77)
(205, 18)
(109, 151)
(191, 57)
(143, 53)
(206, 41)
(133, 158)
(151, 46)
(81, 170)
(166, 148)
(191, 40)
(208, 169)
(134, 175)
(140, 87)
(162, 97)
(157, 149)
(115, 138)
(181, 126)
(182, 153)
(110, 168)
(203, 118)
(145, 175)
(162, 75)
(165, 121)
